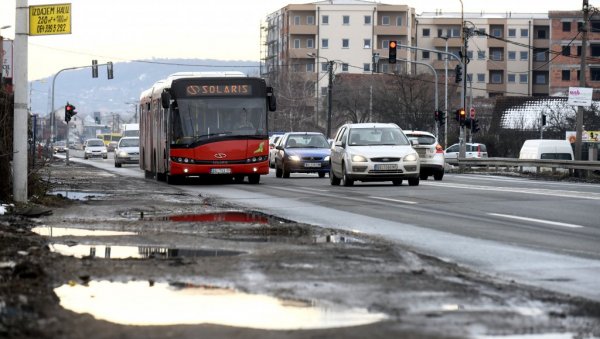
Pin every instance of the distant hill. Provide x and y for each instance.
(130, 79)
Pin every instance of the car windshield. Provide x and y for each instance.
(422, 139)
(377, 136)
(129, 143)
(95, 143)
(306, 141)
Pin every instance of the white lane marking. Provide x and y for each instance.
(394, 200)
(537, 191)
(541, 221)
(315, 189)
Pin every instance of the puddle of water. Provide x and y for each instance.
(76, 195)
(150, 304)
(337, 239)
(135, 252)
(231, 216)
(50, 231)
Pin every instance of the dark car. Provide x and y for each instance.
(302, 152)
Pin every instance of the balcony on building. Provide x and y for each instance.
(302, 53)
(304, 29)
(440, 43)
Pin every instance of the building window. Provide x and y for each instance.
(425, 55)
(481, 77)
(345, 43)
(566, 50)
(482, 33)
(524, 32)
(523, 78)
(578, 75)
(385, 43)
(344, 67)
(542, 34)
(310, 68)
(512, 55)
(496, 77)
(325, 19)
(323, 91)
(296, 43)
(523, 55)
(512, 33)
(578, 50)
(367, 43)
(512, 78)
(367, 67)
(426, 32)
(541, 78)
(324, 43)
(367, 19)
(541, 56)
(297, 20)
(310, 43)
(385, 20)
(346, 20)
(566, 75)
(594, 50)
(398, 21)
(594, 74)
(310, 20)
(497, 32)
(566, 26)
(496, 54)
(324, 67)
(469, 54)
(481, 55)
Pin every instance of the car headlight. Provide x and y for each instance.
(294, 158)
(326, 158)
(411, 157)
(123, 154)
(104, 151)
(359, 158)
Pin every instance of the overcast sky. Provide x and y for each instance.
(122, 30)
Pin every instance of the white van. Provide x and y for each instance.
(546, 149)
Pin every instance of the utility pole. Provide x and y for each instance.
(582, 77)
(329, 90)
(19, 165)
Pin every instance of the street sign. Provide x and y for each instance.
(7, 59)
(580, 96)
(472, 112)
(50, 19)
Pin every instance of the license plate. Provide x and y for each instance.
(386, 167)
(220, 171)
(312, 164)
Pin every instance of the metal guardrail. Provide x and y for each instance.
(520, 164)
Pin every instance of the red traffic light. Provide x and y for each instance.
(393, 44)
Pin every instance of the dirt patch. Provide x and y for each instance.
(192, 244)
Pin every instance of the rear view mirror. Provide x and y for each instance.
(271, 100)
(165, 98)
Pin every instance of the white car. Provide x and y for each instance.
(273, 142)
(94, 148)
(472, 150)
(127, 151)
(373, 152)
(431, 154)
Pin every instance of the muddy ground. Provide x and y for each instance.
(217, 260)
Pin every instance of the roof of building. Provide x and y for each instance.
(482, 15)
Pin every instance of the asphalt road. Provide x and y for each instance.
(542, 233)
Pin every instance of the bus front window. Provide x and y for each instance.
(197, 119)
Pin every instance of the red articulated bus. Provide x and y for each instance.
(205, 124)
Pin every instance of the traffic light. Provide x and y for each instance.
(458, 74)
(94, 68)
(475, 126)
(461, 116)
(109, 69)
(441, 118)
(392, 52)
(69, 112)
(436, 115)
(543, 119)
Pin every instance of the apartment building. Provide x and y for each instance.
(302, 39)
(566, 45)
(507, 52)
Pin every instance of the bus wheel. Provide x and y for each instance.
(254, 179)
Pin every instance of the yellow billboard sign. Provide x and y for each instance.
(50, 19)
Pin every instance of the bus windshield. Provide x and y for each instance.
(197, 119)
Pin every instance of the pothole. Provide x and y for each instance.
(101, 251)
(76, 195)
(49, 231)
(150, 304)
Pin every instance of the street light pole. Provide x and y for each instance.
(329, 89)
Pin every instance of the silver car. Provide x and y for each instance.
(127, 151)
(373, 152)
(431, 154)
(94, 148)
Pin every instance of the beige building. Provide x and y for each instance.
(350, 34)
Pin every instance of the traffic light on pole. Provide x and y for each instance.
(69, 112)
(436, 115)
(393, 45)
(461, 116)
(441, 118)
(474, 125)
(94, 68)
(109, 70)
(458, 74)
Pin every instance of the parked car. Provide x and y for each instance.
(373, 152)
(472, 150)
(94, 148)
(546, 149)
(127, 151)
(431, 154)
(302, 152)
(59, 146)
(273, 142)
